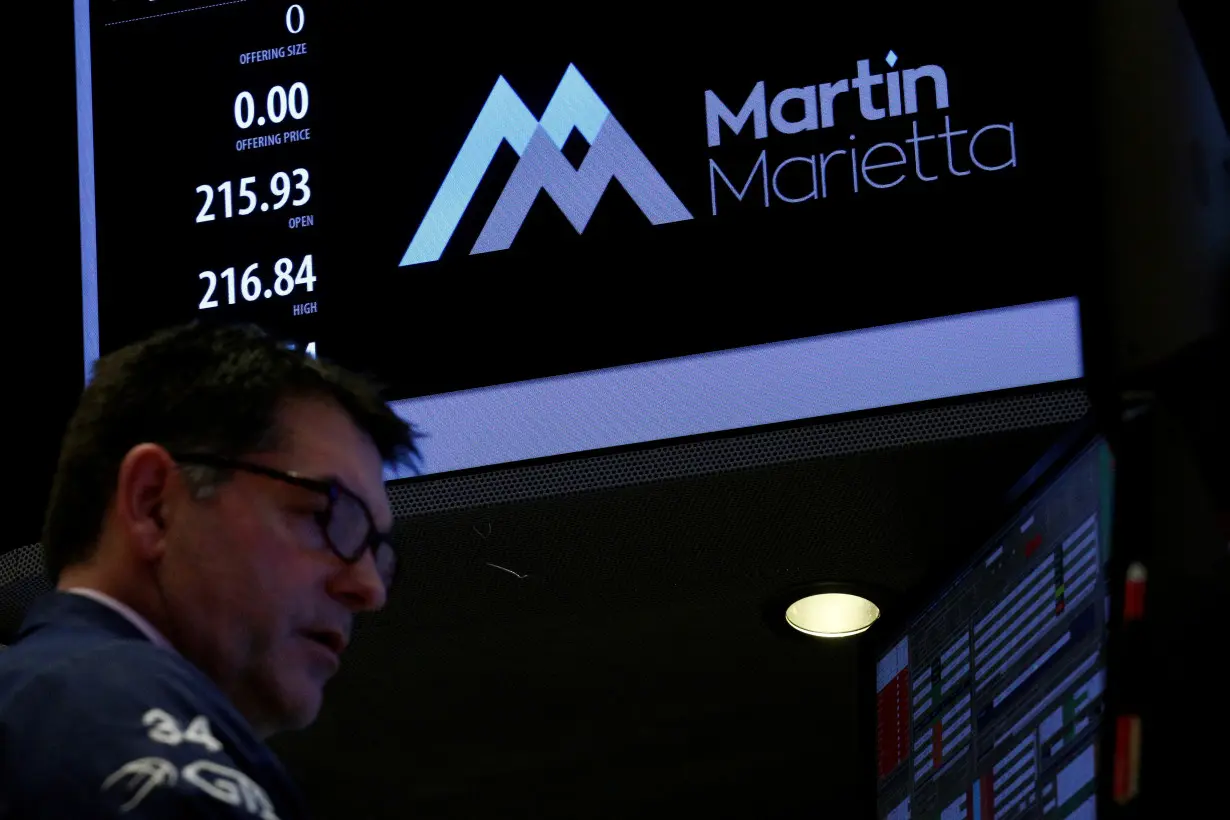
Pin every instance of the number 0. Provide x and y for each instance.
(293, 13)
(245, 109)
(298, 101)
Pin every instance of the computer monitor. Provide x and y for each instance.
(989, 700)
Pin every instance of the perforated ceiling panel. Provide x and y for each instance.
(21, 581)
(795, 443)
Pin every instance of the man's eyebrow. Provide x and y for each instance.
(336, 480)
(385, 531)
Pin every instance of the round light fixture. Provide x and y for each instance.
(832, 614)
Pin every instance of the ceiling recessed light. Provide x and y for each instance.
(832, 614)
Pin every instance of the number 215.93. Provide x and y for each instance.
(280, 190)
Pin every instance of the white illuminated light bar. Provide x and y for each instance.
(970, 353)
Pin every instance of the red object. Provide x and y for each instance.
(1032, 545)
(988, 796)
(937, 745)
(893, 723)
(1127, 757)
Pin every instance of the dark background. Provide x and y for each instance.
(672, 654)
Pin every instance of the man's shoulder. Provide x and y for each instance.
(103, 727)
(80, 673)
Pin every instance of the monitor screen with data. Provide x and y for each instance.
(552, 238)
(988, 705)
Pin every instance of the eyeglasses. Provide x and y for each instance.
(346, 522)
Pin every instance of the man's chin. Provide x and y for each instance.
(291, 717)
(292, 702)
(303, 703)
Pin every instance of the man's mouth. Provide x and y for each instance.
(335, 642)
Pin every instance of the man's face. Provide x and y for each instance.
(246, 572)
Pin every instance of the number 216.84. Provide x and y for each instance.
(250, 286)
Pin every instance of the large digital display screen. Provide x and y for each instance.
(548, 239)
(989, 703)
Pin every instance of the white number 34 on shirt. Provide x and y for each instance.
(165, 729)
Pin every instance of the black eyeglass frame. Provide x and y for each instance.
(332, 489)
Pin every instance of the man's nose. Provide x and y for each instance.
(360, 586)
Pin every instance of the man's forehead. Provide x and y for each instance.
(323, 441)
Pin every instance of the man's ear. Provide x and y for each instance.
(143, 494)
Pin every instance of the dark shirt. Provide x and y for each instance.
(97, 721)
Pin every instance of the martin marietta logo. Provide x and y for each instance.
(543, 167)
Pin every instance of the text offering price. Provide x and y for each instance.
(251, 288)
(281, 190)
(279, 103)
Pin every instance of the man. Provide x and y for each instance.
(217, 520)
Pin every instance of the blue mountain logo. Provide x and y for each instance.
(543, 167)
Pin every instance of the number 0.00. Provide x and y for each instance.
(278, 103)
